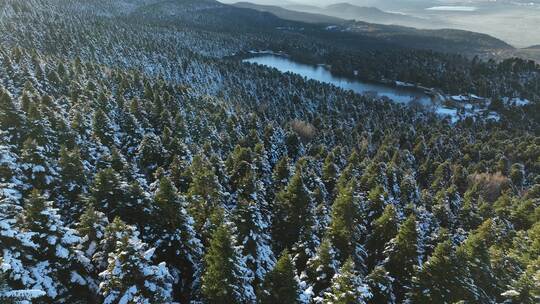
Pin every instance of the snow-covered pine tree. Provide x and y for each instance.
(381, 286)
(475, 252)
(205, 195)
(150, 154)
(15, 245)
(16, 296)
(12, 119)
(443, 278)
(91, 227)
(103, 129)
(131, 277)
(175, 239)
(253, 235)
(329, 173)
(346, 229)
(226, 278)
(383, 230)
(348, 287)
(48, 265)
(291, 212)
(320, 270)
(280, 284)
(402, 256)
(72, 181)
(108, 193)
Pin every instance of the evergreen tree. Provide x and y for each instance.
(321, 269)
(347, 287)
(175, 238)
(102, 128)
(384, 229)
(443, 278)
(280, 176)
(91, 226)
(475, 252)
(329, 172)
(48, 266)
(345, 227)
(131, 277)
(11, 119)
(402, 257)
(108, 193)
(72, 178)
(280, 285)
(381, 286)
(115, 231)
(291, 212)
(204, 194)
(35, 165)
(150, 154)
(13, 296)
(225, 278)
(255, 240)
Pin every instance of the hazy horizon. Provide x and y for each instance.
(514, 22)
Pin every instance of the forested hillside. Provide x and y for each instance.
(139, 165)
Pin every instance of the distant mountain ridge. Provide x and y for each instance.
(445, 40)
(290, 14)
(371, 14)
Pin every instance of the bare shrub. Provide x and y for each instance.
(490, 185)
(304, 130)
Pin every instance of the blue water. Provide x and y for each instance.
(320, 73)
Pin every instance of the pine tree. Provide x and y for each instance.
(280, 176)
(16, 248)
(447, 205)
(204, 194)
(11, 119)
(255, 239)
(115, 231)
(225, 279)
(291, 212)
(475, 252)
(443, 278)
(175, 238)
(108, 193)
(91, 226)
(14, 296)
(321, 269)
(377, 201)
(132, 278)
(347, 287)
(102, 128)
(402, 257)
(280, 285)
(72, 178)
(329, 173)
(150, 154)
(381, 286)
(48, 267)
(179, 174)
(345, 227)
(384, 229)
(35, 165)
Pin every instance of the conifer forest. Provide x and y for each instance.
(141, 161)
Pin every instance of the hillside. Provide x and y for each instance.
(372, 15)
(290, 14)
(444, 40)
(142, 162)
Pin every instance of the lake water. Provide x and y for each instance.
(320, 73)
